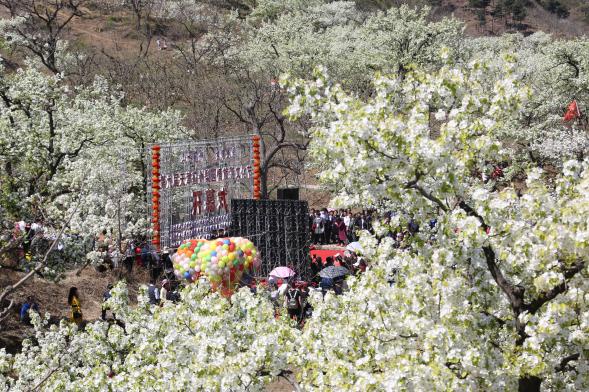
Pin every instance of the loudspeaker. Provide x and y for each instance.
(287, 194)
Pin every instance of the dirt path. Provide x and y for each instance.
(52, 298)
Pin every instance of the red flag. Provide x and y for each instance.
(572, 111)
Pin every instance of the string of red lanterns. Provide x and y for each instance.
(155, 196)
(256, 156)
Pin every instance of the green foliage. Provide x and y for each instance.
(556, 7)
(518, 11)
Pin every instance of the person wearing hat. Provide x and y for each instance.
(164, 292)
(105, 297)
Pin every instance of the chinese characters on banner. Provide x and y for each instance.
(197, 181)
(213, 202)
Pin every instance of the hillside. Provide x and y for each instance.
(492, 17)
(111, 27)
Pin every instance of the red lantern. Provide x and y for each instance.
(155, 148)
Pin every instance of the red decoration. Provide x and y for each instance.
(210, 200)
(256, 168)
(573, 111)
(155, 186)
(497, 173)
(223, 200)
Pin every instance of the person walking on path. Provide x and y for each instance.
(105, 297)
(73, 300)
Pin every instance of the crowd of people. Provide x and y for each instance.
(290, 295)
(328, 226)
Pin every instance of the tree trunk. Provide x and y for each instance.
(529, 384)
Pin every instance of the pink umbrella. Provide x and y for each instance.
(282, 272)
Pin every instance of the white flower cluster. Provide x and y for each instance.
(493, 295)
(77, 152)
(204, 342)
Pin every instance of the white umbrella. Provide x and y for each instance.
(354, 247)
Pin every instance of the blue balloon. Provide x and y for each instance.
(214, 253)
(187, 275)
(226, 242)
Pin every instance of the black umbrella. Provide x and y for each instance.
(333, 272)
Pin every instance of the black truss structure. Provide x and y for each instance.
(278, 228)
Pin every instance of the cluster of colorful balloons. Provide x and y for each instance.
(221, 261)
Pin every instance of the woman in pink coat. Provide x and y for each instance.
(341, 232)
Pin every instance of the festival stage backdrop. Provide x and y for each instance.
(192, 185)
